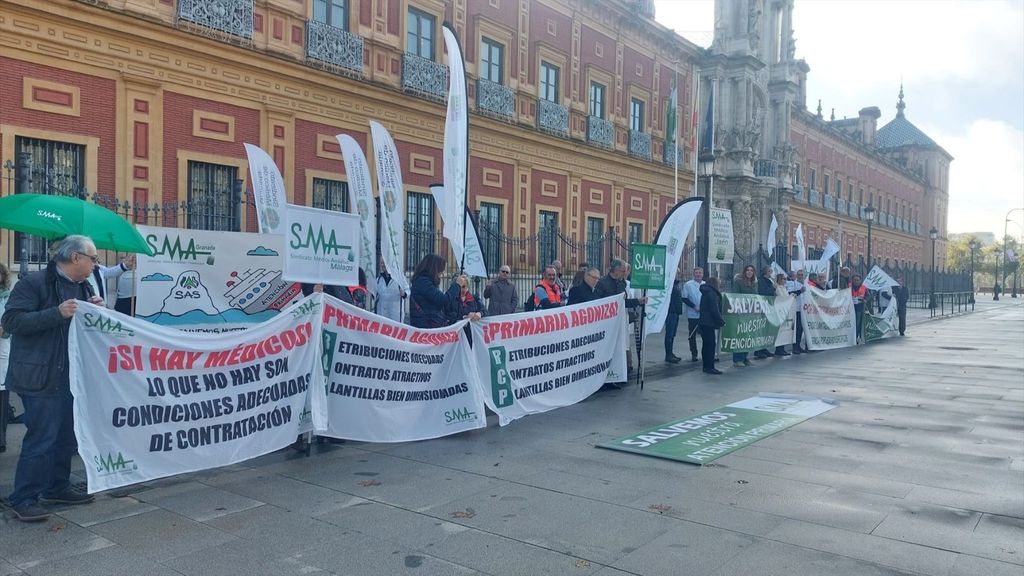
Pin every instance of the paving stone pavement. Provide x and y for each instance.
(920, 470)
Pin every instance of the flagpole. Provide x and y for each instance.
(675, 130)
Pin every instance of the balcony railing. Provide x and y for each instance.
(798, 193)
(854, 210)
(668, 151)
(552, 117)
(891, 220)
(841, 206)
(229, 16)
(495, 99)
(814, 198)
(424, 77)
(333, 45)
(765, 168)
(830, 202)
(640, 144)
(599, 131)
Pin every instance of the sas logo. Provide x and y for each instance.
(174, 249)
(49, 215)
(105, 324)
(459, 415)
(321, 242)
(111, 464)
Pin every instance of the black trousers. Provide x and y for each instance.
(799, 332)
(707, 347)
(901, 311)
(693, 325)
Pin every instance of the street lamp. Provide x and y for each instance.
(973, 245)
(706, 170)
(1001, 269)
(934, 235)
(869, 216)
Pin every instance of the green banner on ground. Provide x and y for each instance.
(881, 326)
(648, 266)
(752, 322)
(714, 434)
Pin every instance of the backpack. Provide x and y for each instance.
(530, 304)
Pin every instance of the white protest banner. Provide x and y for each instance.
(672, 234)
(538, 361)
(801, 246)
(883, 325)
(776, 269)
(722, 246)
(770, 241)
(392, 203)
(389, 382)
(877, 279)
(361, 189)
(322, 246)
(787, 330)
(210, 281)
(818, 266)
(267, 190)
(473, 256)
(830, 250)
(456, 147)
(150, 403)
(829, 319)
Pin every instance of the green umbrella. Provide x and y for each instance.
(55, 217)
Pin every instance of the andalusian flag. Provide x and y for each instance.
(673, 105)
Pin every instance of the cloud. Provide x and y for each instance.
(157, 277)
(261, 251)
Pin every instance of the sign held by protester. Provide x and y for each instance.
(722, 242)
(383, 381)
(647, 264)
(538, 361)
(829, 319)
(322, 246)
(169, 405)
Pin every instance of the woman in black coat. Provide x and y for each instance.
(710, 320)
(428, 306)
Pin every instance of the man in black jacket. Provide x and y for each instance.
(765, 287)
(901, 294)
(584, 291)
(710, 320)
(38, 316)
(615, 283)
(675, 310)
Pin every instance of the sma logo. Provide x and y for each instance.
(174, 250)
(105, 324)
(459, 415)
(111, 464)
(316, 238)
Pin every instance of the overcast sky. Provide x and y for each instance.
(962, 67)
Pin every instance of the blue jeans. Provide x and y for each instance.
(671, 325)
(739, 356)
(44, 467)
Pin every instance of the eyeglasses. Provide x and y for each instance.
(95, 259)
(504, 271)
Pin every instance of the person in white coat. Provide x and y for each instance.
(389, 295)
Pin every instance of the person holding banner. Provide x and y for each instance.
(901, 294)
(548, 293)
(744, 283)
(781, 291)
(428, 306)
(612, 284)
(584, 291)
(691, 299)
(860, 295)
(38, 317)
(675, 310)
(389, 294)
(710, 319)
(465, 304)
(796, 288)
(765, 287)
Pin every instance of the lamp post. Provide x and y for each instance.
(934, 235)
(869, 216)
(973, 245)
(706, 170)
(1000, 270)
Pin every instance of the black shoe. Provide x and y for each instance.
(694, 359)
(798, 350)
(68, 497)
(761, 355)
(673, 359)
(713, 371)
(783, 353)
(611, 386)
(30, 512)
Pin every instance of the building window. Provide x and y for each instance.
(490, 234)
(636, 115)
(839, 189)
(419, 34)
(57, 168)
(849, 192)
(814, 179)
(330, 194)
(824, 184)
(547, 227)
(331, 12)
(491, 60)
(214, 197)
(597, 92)
(796, 175)
(636, 233)
(419, 236)
(549, 74)
(595, 243)
(860, 197)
